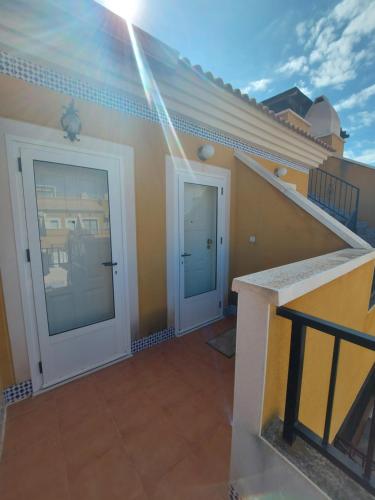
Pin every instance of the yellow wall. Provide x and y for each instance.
(284, 232)
(295, 120)
(343, 301)
(6, 365)
(362, 177)
(300, 179)
(335, 141)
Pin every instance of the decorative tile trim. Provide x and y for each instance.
(36, 74)
(23, 390)
(18, 391)
(233, 495)
(153, 339)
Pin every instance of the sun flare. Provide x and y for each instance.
(124, 8)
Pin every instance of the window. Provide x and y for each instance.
(372, 295)
(91, 225)
(52, 223)
(70, 224)
(46, 191)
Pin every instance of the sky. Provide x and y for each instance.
(265, 47)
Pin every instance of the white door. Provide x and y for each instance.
(74, 225)
(201, 204)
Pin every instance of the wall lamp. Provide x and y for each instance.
(205, 152)
(70, 122)
(280, 171)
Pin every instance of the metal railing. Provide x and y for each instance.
(336, 196)
(292, 426)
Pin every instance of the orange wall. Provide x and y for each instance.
(284, 232)
(300, 179)
(343, 301)
(6, 365)
(295, 120)
(362, 177)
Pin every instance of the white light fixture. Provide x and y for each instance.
(205, 152)
(280, 171)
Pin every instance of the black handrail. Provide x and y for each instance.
(338, 197)
(292, 427)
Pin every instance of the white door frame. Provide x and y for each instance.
(19, 134)
(175, 166)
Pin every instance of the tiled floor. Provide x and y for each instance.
(156, 426)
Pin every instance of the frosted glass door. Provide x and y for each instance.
(75, 244)
(200, 256)
(200, 239)
(74, 214)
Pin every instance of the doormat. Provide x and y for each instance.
(225, 343)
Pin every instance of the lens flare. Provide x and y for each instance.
(126, 9)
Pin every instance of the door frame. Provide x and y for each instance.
(176, 166)
(17, 135)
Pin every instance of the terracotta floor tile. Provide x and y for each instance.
(195, 419)
(214, 455)
(111, 476)
(88, 440)
(186, 481)
(135, 411)
(155, 426)
(39, 472)
(28, 428)
(155, 450)
(44, 402)
(167, 393)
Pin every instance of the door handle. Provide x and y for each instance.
(109, 264)
(186, 255)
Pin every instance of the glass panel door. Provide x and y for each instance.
(75, 244)
(200, 239)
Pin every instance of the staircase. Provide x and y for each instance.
(340, 199)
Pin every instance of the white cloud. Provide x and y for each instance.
(366, 156)
(347, 9)
(301, 30)
(361, 119)
(358, 99)
(294, 65)
(257, 85)
(336, 45)
(304, 88)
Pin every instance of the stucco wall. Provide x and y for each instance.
(291, 117)
(343, 301)
(362, 177)
(6, 364)
(284, 232)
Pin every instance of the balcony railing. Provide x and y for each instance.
(338, 197)
(362, 473)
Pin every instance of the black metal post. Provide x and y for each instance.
(371, 448)
(293, 393)
(331, 391)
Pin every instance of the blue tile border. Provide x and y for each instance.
(18, 391)
(36, 74)
(23, 390)
(153, 339)
(233, 495)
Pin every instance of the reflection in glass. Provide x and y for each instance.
(200, 238)
(75, 239)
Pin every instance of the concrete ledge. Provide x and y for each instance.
(308, 206)
(280, 285)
